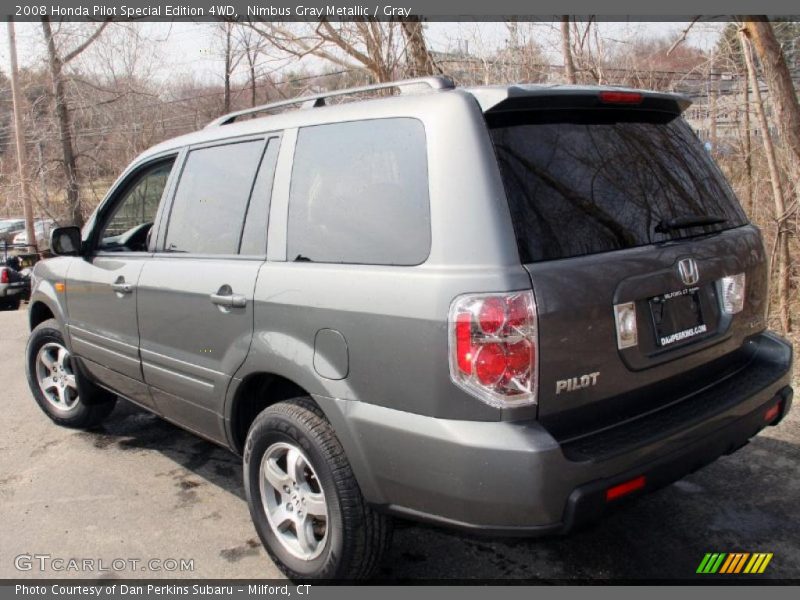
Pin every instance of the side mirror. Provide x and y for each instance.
(65, 241)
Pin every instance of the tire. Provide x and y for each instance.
(351, 538)
(62, 391)
(12, 304)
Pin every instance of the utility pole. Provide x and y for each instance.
(20, 139)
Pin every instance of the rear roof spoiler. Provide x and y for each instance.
(529, 96)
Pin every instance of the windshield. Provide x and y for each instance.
(583, 187)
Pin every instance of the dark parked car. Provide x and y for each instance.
(15, 283)
(500, 309)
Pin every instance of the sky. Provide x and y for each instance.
(185, 49)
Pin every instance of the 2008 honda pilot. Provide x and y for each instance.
(502, 309)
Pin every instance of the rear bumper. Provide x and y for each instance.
(588, 502)
(14, 290)
(514, 478)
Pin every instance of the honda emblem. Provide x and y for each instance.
(688, 270)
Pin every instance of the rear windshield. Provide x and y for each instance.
(584, 187)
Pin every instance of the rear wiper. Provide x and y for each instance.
(685, 221)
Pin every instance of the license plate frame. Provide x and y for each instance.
(677, 317)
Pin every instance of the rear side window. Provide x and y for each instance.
(584, 187)
(359, 194)
(208, 211)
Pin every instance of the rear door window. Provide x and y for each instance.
(208, 211)
(580, 187)
(359, 194)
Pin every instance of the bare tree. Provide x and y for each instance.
(56, 62)
(420, 60)
(759, 31)
(586, 48)
(566, 50)
(782, 238)
(231, 58)
(252, 46)
(367, 44)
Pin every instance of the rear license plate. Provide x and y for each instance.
(677, 316)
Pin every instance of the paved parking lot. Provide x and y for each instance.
(140, 488)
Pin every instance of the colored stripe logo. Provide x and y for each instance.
(734, 563)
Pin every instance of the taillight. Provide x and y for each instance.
(493, 347)
(612, 97)
(3, 275)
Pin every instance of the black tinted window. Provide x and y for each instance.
(254, 236)
(581, 187)
(359, 194)
(208, 210)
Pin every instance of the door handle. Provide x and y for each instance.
(121, 287)
(225, 297)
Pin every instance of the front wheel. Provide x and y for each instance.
(59, 389)
(304, 500)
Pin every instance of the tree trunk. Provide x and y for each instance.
(228, 69)
(566, 49)
(64, 126)
(252, 84)
(419, 58)
(759, 30)
(782, 241)
(712, 115)
(748, 152)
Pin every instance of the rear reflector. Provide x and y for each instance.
(621, 97)
(3, 275)
(772, 413)
(623, 489)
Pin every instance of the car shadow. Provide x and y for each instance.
(745, 502)
(133, 429)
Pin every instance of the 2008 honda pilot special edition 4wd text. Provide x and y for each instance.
(500, 309)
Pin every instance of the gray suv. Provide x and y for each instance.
(499, 309)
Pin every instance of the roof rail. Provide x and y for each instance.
(405, 86)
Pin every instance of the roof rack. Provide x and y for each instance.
(316, 100)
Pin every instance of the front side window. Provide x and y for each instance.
(127, 229)
(359, 194)
(212, 196)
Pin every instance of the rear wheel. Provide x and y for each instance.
(61, 391)
(304, 500)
